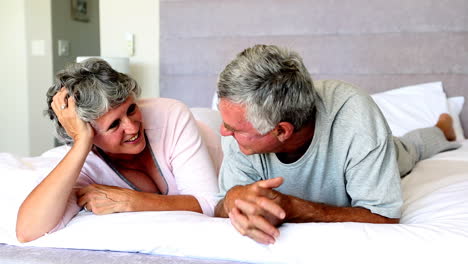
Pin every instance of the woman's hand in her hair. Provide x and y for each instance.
(64, 107)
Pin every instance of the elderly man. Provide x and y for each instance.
(308, 151)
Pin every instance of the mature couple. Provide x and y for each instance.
(299, 151)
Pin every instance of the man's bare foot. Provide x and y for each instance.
(445, 123)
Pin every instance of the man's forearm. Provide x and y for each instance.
(219, 209)
(302, 211)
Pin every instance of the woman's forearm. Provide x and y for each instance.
(104, 199)
(155, 202)
(45, 205)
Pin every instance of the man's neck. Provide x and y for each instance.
(296, 146)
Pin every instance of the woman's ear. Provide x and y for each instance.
(283, 131)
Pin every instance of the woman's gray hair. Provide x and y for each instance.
(96, 88)
(274, 85)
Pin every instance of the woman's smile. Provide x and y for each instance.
(135, 139)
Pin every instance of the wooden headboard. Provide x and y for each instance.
(377, 45)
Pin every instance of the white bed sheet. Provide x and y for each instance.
(433, 229)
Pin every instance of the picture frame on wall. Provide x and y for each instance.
(79, 10)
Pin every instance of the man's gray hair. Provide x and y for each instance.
(96, 88)
(273, 84)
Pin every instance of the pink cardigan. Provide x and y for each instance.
(180, 151)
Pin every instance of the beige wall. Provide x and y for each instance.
(83, 36)
(26, 77)
(13, 93)
(40, 74)
(142, 19)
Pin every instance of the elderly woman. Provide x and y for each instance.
(125, 155)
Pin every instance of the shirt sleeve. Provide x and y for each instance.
(236, 168)
(72, 204)
(372, 175)
(190, 160)
(374, 182)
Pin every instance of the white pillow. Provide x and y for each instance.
(214, 102)
(412, 107)
(455, 105)
(210, 117)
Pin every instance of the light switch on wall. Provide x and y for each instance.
(130, 43)
(63, 47)
(38, 47)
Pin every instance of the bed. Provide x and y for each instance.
(433, 228)
(376, 45)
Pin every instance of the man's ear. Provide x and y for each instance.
(283, 131)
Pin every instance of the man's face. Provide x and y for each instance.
(235, 124)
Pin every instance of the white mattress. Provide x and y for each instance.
(433, 229)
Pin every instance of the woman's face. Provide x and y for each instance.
(119, 132)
